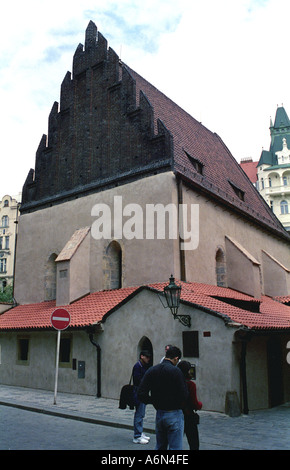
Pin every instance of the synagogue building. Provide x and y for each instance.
(127, 190)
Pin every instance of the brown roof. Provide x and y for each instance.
(221, 172)
(228, 304)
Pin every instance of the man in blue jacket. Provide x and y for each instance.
(164, 386)
(139, 370)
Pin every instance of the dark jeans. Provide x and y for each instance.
(191, 431)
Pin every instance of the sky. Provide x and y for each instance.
(225, 62)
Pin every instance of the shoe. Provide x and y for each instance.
(145, 437)
(140, 440)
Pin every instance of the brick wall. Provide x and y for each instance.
(100, 134)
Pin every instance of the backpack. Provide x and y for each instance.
(127, 396)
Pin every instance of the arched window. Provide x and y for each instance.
(284, 207)
(113, 266)
(220, 268)
(50, 278)
(6, 203)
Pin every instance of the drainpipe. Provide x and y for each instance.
(181, 252)
(98, 364)
(244, 376)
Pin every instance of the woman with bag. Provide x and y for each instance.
(191, 418)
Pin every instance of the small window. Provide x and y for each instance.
(190, 343)
(198, 166)
(239, 192)
(6, 203)
(65, 352)
(63, 273)
(23, 351)
(6, 242)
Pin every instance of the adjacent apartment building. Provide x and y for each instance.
(271, 174)
(9, 212)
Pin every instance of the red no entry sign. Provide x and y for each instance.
(60, 319)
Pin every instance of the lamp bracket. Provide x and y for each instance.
(184, 319)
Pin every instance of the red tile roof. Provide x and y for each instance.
(250, 168)
(84, 312)
(230, 305)
(220, 168)
(284, 299)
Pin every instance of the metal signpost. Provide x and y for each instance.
(60, 320)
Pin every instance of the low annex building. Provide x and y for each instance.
(233, 340)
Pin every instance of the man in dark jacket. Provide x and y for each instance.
(164, 386)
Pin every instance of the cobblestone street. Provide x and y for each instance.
(259, 430)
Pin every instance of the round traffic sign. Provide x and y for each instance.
(60, 319)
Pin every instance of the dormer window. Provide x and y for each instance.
(239, 192)
(197, 165)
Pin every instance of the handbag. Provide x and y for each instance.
(127, 396)
(195, 418)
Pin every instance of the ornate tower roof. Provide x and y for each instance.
(279, 131)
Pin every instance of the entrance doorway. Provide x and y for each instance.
(275, 374)
(145, 344)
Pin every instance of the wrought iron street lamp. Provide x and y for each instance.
(172, 292)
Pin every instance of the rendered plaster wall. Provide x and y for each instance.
(46, 231)
(39, 370)
(257, 374)
(276, 278)
(215, 223)
(215, 365)
(4, 307)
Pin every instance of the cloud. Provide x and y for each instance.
(224, 62)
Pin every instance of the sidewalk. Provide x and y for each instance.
(259, 430)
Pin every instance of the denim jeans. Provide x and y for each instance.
(138, 419)
(169, 430)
